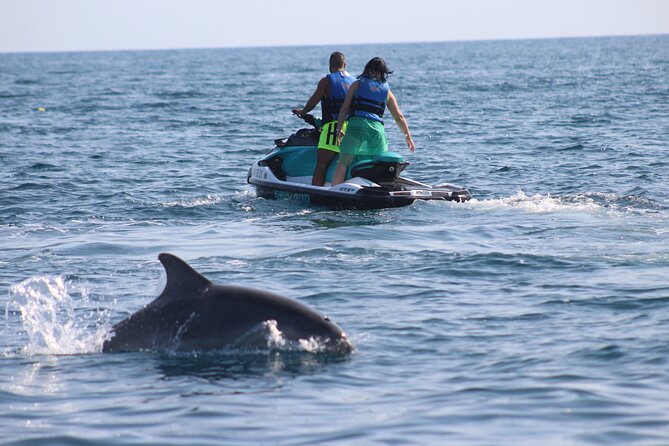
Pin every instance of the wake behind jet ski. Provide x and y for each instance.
(286, 173)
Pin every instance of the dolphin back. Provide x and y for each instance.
(193, 313)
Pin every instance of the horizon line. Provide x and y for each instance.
(408, 42)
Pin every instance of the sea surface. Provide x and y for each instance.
(535, 314)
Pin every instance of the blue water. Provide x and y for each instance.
(537, 313)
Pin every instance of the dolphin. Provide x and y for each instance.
(194, 314)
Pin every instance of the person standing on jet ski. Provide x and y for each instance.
(364, 106)
(330, 92)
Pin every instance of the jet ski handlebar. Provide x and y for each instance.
(311, 120)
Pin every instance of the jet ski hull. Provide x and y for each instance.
(343, 196)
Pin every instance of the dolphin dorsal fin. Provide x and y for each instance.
(181, 278)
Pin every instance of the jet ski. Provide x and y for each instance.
(286, 172)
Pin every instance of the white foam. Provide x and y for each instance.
(193, 202)
(538, 203)
(276, 340)
(54, 321)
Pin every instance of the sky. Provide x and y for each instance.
(84, 25)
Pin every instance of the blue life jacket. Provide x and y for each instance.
(370, 99)
(340, 82)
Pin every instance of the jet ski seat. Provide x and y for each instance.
(385, 168)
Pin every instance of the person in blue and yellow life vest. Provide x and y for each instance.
(330, 92)
(364, 105)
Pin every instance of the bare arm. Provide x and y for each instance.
(345, 108)
(400, 120)
(320, 93)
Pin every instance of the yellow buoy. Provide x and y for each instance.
(41, 109)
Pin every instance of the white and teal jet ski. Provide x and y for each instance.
(286, 172)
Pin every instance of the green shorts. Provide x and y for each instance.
(364, 139)
(328, 139)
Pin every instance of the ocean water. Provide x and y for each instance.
(537, 313)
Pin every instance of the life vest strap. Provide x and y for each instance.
(369, 105)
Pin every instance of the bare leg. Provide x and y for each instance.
(340, 173)
(324, 159)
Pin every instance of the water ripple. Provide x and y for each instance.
(535, 311)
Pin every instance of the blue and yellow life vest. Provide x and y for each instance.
(370, 99)
(340, 82)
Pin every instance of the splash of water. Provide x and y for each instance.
(276, 340)
(268, 337)
(207, 200)
(585, 202)
(54, 321)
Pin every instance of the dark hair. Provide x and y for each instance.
(377, 69)
(337, 60)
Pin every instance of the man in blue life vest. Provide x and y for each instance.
(330, 92)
